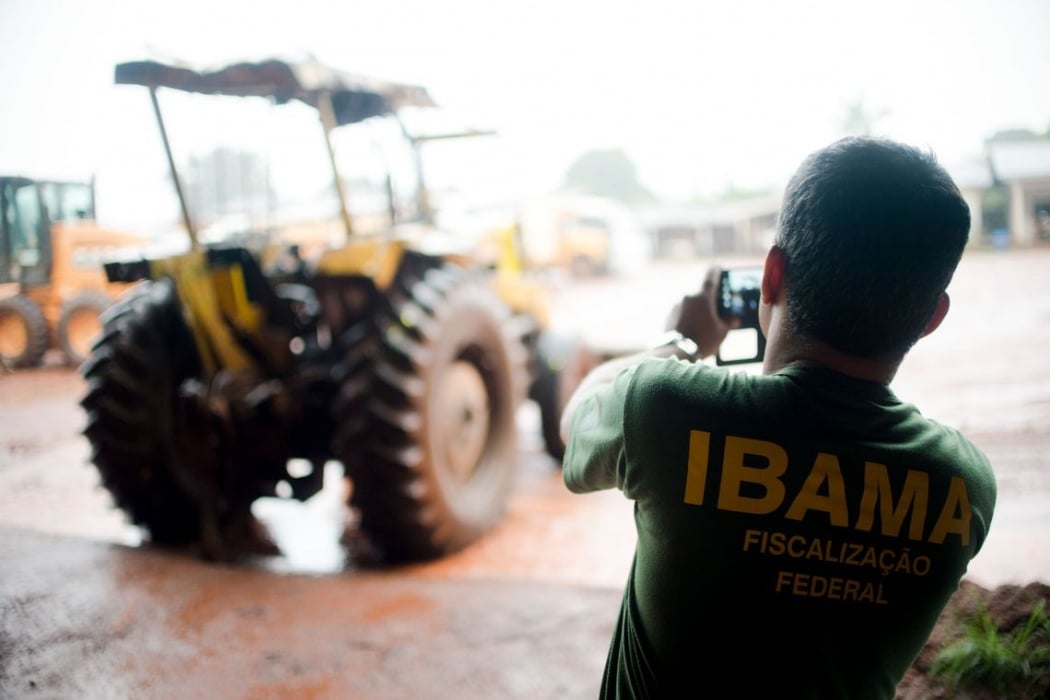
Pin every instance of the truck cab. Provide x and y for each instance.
(52, 286)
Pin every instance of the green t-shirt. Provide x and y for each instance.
(798, 533)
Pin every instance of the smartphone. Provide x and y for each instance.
(739, 294)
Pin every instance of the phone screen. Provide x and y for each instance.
(739, 292)
(739, 296)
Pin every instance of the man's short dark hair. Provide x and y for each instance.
(872, 231)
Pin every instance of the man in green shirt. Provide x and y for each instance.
(799, 531)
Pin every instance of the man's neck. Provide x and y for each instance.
(792, 351)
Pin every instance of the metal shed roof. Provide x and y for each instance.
(1018, 160)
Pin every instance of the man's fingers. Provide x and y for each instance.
(711, 279)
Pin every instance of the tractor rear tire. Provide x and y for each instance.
(561, 364)
(23, 332)
(436, 456)
(79, 324)
(133, 376)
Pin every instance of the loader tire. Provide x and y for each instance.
(79, 324)
(561, 364)
(438, 442)
(23, 332)
(133, 373)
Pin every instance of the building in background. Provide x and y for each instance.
(1024, 169)
(1007, 189)
(738, 227)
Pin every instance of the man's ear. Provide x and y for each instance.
(938, 314)
(773, 276)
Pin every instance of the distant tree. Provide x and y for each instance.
(608, 173)
(995, 202)
(860, 120)
(730, 193)
(735, 193)
(1008, 135)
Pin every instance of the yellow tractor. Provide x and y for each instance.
(233, 373)
(52, 288)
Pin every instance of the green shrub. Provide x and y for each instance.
(1012, 664)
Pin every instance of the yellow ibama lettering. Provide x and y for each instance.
(696, 470)
(825, 469)
(735, 474)
(957, 503)
(751, 482)
(913, 500)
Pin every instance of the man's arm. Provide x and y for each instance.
(695, 317)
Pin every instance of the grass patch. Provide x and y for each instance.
(1013, 663)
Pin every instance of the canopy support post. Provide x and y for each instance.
(327, 113)
(190, 228)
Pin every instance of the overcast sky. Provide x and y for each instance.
(699, 94)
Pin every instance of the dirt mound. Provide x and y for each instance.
(1008, 607)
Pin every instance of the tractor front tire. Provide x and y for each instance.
(562, 361)
(79, 324)
(23, 332)
(437, 453)
(133, 375)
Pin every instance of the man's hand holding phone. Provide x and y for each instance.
(696, 316)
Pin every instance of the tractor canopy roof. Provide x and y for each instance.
(354, 97)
